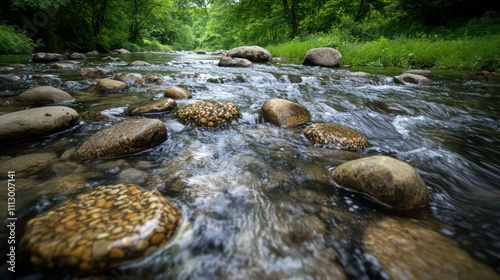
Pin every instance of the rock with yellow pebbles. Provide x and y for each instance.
(209, 114)
(335, 135)
(101, 229)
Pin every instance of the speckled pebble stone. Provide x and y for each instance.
(101, 229)
(209, 114)
(336, 135)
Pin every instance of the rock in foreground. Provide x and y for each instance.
(406, 250)
(390, 181)
(43, 94)
(286, 113)
(36, 123)
(128, 137)
(209, 114)
(252, 53)
(326, 57)
(335, 135)
(101, 229)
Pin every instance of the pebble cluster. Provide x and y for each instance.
(209, 113)
(101, 229)
(336, 135)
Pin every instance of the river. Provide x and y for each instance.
(258, 200)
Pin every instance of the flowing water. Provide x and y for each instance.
(258, 200)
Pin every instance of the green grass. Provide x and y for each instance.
(13, 41)
(427, 51)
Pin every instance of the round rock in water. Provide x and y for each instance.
(390, 181)
(177, 93)
(286, 113)
(139, 63)
(109, 85)
(164, 105)
(227, 61)
(101, 229)
(252, 53)
(36, 122)
(406, 250)
(209, 114)
(335, 135)
(327, 57)
(43, 94)
(128, 137)
(411, 78)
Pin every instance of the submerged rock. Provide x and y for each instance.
(406, 250)
(8, 78)
(112, 59)
(390, 181)
(129, 78)
(285, 113)
(327, 57)
(159, 106)
(209, 113)
(128, 137)
(65, 65)
(421, 72)
(227, 61)
(28, 164)
(411, 78)
(36, 122)
(43, 94)
(101, 229)
(108, 86)
(335, 135)
(47, 57)
(252, 53)
(177, 93)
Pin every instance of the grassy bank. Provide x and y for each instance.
(14, 41)
(426, 51)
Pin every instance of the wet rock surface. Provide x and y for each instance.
(335, 135)
(139, 63)
(209, 114)
(177, 93)
(94, 72)
(327, 57)
(390, 181)
(127, 137)
(101, 229)
(406, 250)
(227, 61)
(164, 105)
(47, 57)
(27, 164)
(109, 86)
(285, 113)
(251, 53)
(43, 94)
(411, 78)
(36, 122)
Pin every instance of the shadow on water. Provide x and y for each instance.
(259, 201)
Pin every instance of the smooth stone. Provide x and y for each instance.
(65, 65)
(112, 59)
(177, 93)
(129, 78)
(406, 250)
(252, 53)
(127, 137)
(36, 122)
(78, 56)
(101, 229)
(43, 94)
(28, 164)
(121, 51)
(285, 113)
(412, 78)
(421, 72)
(139, 63)
(108, 86)
(47, 57)
(8, 78)
(335, 135)
(393, 182)
(227, 61)
(132, 175)
(164, 105)
(94, 72)
(326, 57)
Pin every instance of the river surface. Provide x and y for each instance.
(258, 200)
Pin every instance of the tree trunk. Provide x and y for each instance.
(291, 16)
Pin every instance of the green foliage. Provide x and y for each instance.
(13, 41)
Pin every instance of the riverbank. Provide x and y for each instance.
(428, 51)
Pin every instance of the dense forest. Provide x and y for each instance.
(162, 25)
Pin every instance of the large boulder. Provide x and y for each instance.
(43, 94)
(227, 61)
(36, 122)
(209, 114)
(164, 105)
(335, 135)
(177, 93)
(390, 181)
(128, 137)
(285, 113)
(327, 57)
(252, 53)
(109, 86)
(406, 250)
(100, 229)
(47, 57)
(411, 78)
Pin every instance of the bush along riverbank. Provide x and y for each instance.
(427, 51)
